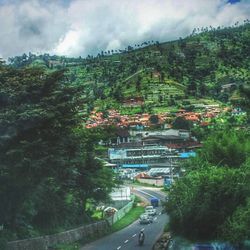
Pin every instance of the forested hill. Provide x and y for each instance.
(51, 179)
(161, 74)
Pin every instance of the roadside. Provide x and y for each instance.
(129, 218)
(163, 242)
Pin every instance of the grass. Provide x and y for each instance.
(97, 215)
(130, 217)
(72, 246)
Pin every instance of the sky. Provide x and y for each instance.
(82, 27)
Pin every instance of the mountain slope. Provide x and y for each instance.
(210, 63)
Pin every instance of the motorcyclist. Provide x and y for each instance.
(141, 237)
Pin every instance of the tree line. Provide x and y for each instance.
(211, 201)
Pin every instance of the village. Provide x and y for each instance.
(149, 148)
(203, 117)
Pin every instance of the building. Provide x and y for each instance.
(142, 157)
(165, 137)
(122, 136)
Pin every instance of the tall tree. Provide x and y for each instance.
(203, 200)
(43, 158)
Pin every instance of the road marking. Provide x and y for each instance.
(134, 235)
(125, 241)
(118, 247)
(155, 218)
(139, 190)
(160, 213)
(142, 229)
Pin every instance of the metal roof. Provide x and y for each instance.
(135, 166)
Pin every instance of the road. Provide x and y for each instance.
(127, 238)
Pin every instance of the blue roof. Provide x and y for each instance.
(187, 154)
(134, 165)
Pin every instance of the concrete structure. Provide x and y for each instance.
(166, 136)
(156, 181)
(120, 197)
(85, 232)
(150, 155)
(47, 241)
(121, 193)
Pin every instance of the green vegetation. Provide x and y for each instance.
(75, 246)
(210, 63)
(211, 201)
(48, 166)
(129, 218)
(47, 160)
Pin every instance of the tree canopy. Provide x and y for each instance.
(47, 165)
(211, 201)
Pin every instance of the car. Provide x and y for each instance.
(150, 210)
(145, 219)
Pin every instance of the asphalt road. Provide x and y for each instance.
(127, 238)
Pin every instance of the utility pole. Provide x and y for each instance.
(171, 169)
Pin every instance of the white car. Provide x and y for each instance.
(145, 219)
(150, 210)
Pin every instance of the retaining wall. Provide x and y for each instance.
(45, 242)
(156, 182)
(120, 213)
(84, 232)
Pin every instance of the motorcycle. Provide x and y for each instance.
(141, 238)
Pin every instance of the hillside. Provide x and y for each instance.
(151, 77)
(51, 174)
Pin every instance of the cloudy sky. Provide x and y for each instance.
(82, 27)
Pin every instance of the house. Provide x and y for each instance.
(122, 136)
(228, 87)
(134, 101)
(165, 136)
(192, 118)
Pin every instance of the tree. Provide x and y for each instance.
(212, 202)
(227, 148)
(203, 200)
(236, 229)
(47, 166)
(37, 109)
(154, 119)
(138, 83)
(181, 123)
(245, 93)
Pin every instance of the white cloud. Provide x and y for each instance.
(83, 27)
(30, 26)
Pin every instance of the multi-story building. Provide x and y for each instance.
(146, 156)
(171, 138)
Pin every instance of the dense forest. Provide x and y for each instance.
(212, 200)
(47, 161)
(48, 168)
